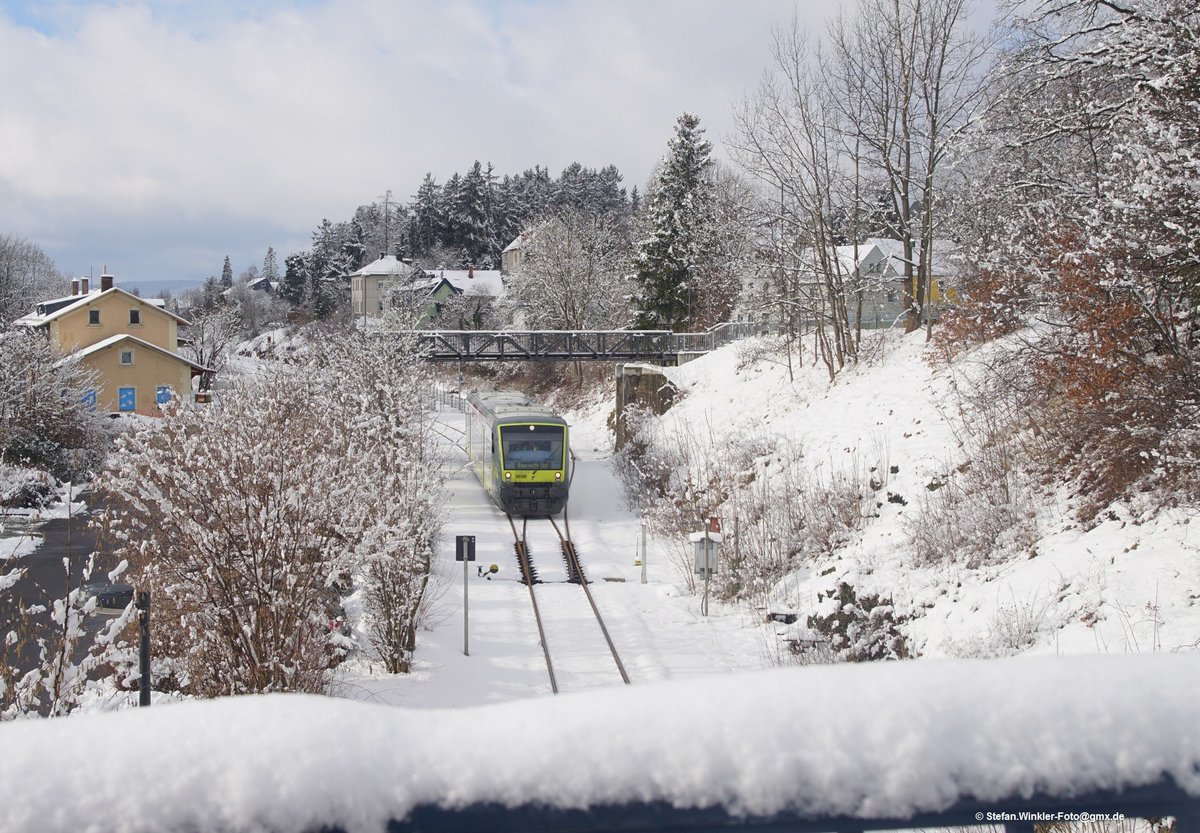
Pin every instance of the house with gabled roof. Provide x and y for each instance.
(875, 267)
(393, 283)
(131, 343)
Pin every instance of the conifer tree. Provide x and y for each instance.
(227, 274)
(678, 216)
(270, 269)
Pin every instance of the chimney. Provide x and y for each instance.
(106, 282)
(83, 286)
(74, 286)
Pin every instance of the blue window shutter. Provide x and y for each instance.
(89, 399)
(126, 399)
(163, 395)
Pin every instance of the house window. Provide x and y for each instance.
(891, 296)
(135, 317)
(162, 395)
(89, 399)
(126, 399)
(126, 358)
(93, 318)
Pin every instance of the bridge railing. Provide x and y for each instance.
(577, 345)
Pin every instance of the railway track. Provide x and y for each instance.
(571, 572)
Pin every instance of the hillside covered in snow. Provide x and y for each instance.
(902, 521)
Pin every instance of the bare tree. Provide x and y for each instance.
(572, 274)
(908, 76)
(209, 336)
(789, 136)
(26, 275)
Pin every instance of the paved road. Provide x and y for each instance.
(46, 576)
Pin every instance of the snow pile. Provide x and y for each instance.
(877, 740)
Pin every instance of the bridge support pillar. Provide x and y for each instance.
(643, 386)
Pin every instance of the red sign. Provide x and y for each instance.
(714, 524)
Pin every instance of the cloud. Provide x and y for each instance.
(159, 137)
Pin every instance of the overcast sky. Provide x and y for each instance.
(157, 137)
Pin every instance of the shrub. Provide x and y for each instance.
(852, 628)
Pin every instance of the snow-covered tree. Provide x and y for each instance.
(572, 276)
(211, 333)
(1092, 152)
(677, 219)
(250, 520)
(270, 269)
(27, 275)
(227, 274)
(47, 419)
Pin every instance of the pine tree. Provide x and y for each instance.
(427, 219)
(678, 217)
(227, 274)
(295, 278)
(476, 234)
(270, 269)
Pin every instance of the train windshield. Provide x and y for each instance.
(532, 446)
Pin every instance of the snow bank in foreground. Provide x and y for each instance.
(885, 740)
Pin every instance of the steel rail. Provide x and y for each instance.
(527, 572)
(573, 565)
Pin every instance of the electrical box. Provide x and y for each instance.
(707, 547)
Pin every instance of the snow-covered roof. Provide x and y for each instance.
(34, 319)
(112, 341)
(388, 265)
(478, 281)
(944, 252)
(852, 741)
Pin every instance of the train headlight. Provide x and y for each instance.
(508, 475)
(558, 475)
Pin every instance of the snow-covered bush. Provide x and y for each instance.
(250, 520)
(25, 488)
(983, 511)
(381, 384)
(849, 627)
(779, 509)
(682, 475)
(50, 670)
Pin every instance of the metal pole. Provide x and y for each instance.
(645, 552)
(143, 606)
(466, 650)
(707, 569)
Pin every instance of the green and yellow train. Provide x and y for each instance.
(519, 451)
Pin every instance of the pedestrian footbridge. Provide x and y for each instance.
(657, 346)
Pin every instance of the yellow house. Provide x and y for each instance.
(131, 343)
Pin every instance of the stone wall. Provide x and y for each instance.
(641, 385)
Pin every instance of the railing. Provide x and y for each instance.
(1015, 814)
(440, 398)
(577, 345)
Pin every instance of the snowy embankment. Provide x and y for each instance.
(1125, 585)
(880, 740)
